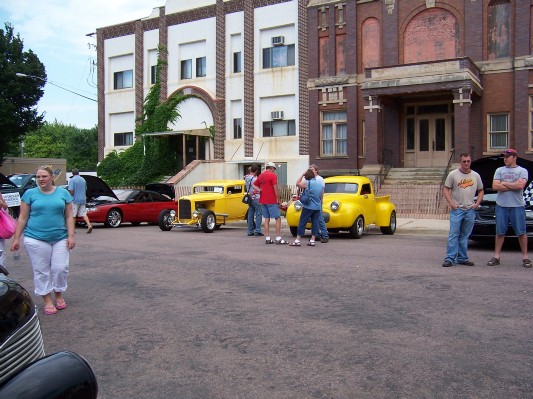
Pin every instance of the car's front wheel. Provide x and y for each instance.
(391, 228)
(208, 222)
(356, 231)
(164, 220)
(113, 218)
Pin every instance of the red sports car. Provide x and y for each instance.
(123, 206)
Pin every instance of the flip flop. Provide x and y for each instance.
(50, 310)
(295, 244)
(311, 244)
(61, 304)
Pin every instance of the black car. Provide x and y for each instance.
(25, 371)
(485, 222)
(12, 188)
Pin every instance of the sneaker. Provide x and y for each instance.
(467, 263)
(493, 262)
(259, 234)
(250, 234)
(324, 240)
(447, 263)
(526, 263)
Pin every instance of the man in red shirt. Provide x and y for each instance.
(267, 184)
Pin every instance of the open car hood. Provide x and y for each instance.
(4, 181)
(96, 187)
(486, 167)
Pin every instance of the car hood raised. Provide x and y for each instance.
(96, 187)
(486, 167)
(4, 181)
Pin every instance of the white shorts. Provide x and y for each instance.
(78, 210)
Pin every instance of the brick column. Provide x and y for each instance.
(100, 67)
(163, 41)
(219, 118)
(139, 73)
(372, 129)
(462, 116)
(249, 94)
(303, 72)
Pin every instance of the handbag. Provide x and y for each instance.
(305, 197)
(247, 198)
(8, 225)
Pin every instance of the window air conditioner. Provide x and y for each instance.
(277, 115)
(278, 40)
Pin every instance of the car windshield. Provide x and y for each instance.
(123, 195)
(343, 188)
(18, 180)
(209, 189)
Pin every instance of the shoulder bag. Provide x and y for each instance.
(305, 197)
(8, 225)
(247, 199)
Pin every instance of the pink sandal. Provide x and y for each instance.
(50, 310)
(61, 304)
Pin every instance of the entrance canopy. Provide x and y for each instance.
(192, 132)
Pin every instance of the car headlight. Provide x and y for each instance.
(334, 206)
(298, 205)
(195, 214)
(92, 209)
(529, 214)
(173, 213)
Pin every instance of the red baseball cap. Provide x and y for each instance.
(509, 152)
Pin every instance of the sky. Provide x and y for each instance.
(56, 31)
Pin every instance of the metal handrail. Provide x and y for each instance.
(384, 170)
(444, 176)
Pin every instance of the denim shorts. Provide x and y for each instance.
(271, 211)
(514, 215)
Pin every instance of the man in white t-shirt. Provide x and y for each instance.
(460, 188)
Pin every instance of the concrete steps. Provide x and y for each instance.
(414, 176)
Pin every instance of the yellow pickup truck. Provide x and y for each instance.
(349, 205)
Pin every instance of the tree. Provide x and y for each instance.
(18, 97)
(57, 140)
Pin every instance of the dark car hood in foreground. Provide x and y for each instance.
(96, 187)
(486, 167)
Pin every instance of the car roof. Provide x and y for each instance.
(347, 179)
(486, 167)
(220, 183)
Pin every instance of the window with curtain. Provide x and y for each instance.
(334, 134)
(498, 131)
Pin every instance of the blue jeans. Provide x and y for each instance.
(254, 215)
(461, 225)
(307, 214)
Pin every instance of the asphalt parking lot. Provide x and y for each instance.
(184, 314)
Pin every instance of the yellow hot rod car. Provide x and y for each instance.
(349, 205)
(211, 204)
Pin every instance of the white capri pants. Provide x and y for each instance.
(50, 265)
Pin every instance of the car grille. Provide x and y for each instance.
(486, 212)
(184, 209)
(23, 347)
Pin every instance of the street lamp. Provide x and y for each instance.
(23, 75)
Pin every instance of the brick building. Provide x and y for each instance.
(418, 81)
(348, 85)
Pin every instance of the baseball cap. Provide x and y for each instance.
(510, 151)
(271, 165)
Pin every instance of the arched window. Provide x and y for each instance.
(371, 52)
(431, 35)
(499, 29)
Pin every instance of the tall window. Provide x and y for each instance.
(121, 139)
(334, 134)
(186, 69)
(152, 74)
(123, 79)
(278, 56)
(237, 63)
(237, 128)
(279, 128)
(200, 67)
(498, 131)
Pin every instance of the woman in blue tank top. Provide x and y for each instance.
(311, 210)
(48, 226)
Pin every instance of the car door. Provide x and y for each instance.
(159, 203)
